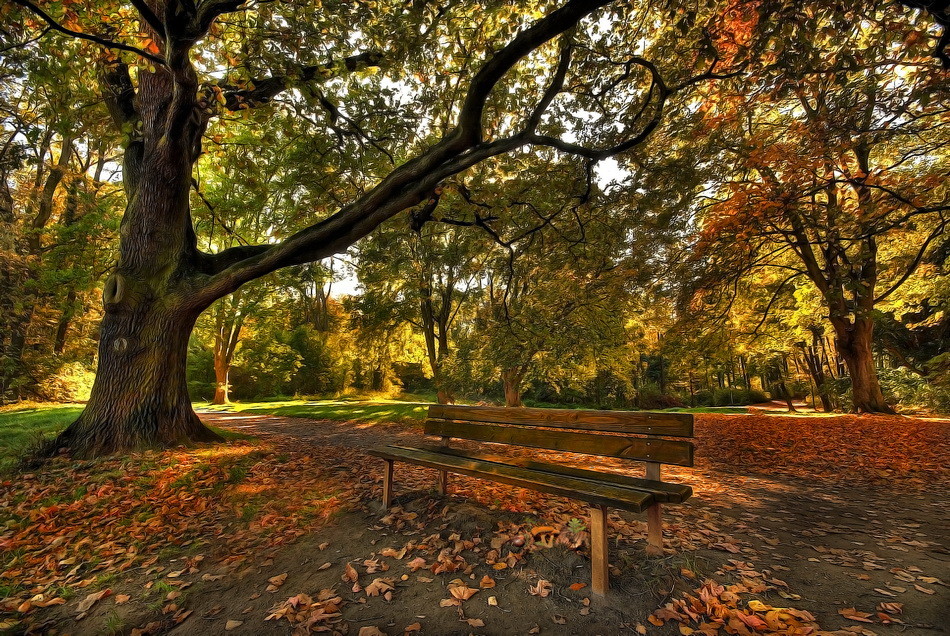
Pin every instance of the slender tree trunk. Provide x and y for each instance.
(62, 328)
(221, 371)
(817, 372)
(511, 378)
(853, 341)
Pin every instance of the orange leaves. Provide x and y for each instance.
(874, 449)
(308, 614)
(74, 521)
(717, 606)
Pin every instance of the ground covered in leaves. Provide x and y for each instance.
(799, 525)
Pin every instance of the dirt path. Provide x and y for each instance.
(822, 546)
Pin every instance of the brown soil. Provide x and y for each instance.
(832, 539)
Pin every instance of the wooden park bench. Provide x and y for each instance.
(628, 435)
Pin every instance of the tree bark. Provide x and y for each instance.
(221, 371)
(140, 396)
(227, 334)
(854, 344)
(512, 382)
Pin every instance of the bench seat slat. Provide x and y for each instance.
(662, 491)
(637, 448)
(605, 494)
(633, 422)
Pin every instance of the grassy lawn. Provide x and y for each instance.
(342, 409)
(23, 426)
(20, 427)
(410, 409)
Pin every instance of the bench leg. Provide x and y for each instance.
(598, 549)
(388, 484)
(443, 476)
(654, 515)
(655, 530)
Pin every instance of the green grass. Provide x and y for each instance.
(23, 427)
(342, 409)
(20, 428)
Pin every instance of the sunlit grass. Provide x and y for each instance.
(26, 425)
(21, 427)
(340, 409)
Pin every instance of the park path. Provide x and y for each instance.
(835, 544)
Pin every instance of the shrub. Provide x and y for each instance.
(72, 382)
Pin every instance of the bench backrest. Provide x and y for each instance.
(627, 434)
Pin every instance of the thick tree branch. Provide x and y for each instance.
(414, 180)
(470, 119)
(267, 88)
(98, 39)
(149, 16)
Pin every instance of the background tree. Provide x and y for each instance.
(832, 169)
(163, 280)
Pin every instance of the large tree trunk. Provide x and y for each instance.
(854, 345)
(140, 396)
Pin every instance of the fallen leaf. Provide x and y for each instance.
(560, 620)
(487, 582)
(379, 586)
(276, 582)
(415, 627)
(925, 590)
(86, 604)
(542, 589)
(475, 622)
(462, 592)
(853, 615)
(232, 625)
(371, 631)
(417, 563)
(350, 575)
(578, 586)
